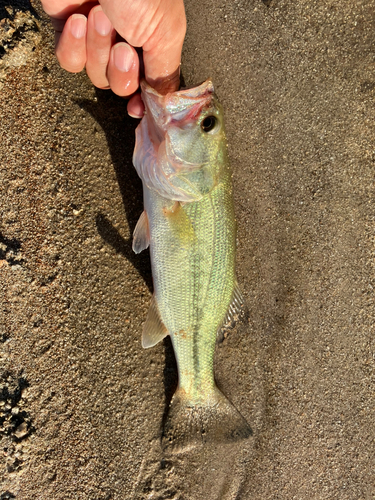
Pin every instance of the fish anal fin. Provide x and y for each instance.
(154, 329)
(141, 235)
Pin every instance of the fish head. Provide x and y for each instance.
(183, 133)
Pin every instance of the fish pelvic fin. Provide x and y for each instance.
(214, 420)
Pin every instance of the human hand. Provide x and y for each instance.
(85, 35)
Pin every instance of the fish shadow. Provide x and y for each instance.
(110, 112)
(170, 378)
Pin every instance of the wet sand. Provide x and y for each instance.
(81, 403)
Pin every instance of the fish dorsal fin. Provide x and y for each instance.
(235, 307)
(141, 235)
(154, 329)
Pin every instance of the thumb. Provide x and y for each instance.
(162, 56)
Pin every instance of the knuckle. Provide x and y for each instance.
(74, 65)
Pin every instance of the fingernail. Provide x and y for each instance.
(136, 108)
(136, 115)
(123, 57)
(78, 25)
(102, 24)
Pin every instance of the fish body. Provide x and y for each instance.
(189, 224)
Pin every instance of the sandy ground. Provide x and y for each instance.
(81, 403)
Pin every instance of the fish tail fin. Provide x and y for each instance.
(191, 424)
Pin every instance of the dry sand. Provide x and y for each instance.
(81, 403)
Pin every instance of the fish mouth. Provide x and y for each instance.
(177, 107)
(207, 87)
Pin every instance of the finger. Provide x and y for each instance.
(123, 69)
(100, 38)
(71, 47)
(162, 52)
(62, 9)
(136, 107)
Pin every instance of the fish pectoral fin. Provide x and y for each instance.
(141, 235)
(180, 223)
(154, 329)
(235, 307)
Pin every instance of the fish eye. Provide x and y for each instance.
(209, 123)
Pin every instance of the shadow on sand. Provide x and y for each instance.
(110, 113)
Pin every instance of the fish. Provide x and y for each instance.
(189, 225)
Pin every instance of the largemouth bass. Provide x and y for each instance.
(188, 222)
